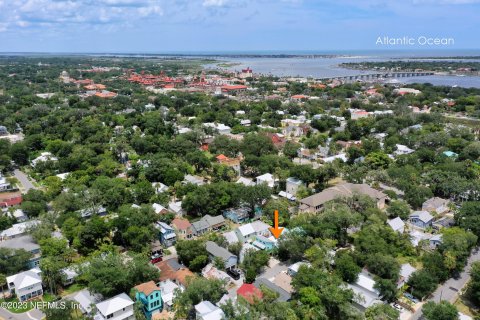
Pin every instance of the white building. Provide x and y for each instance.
(119, 307)
(365, 293)
(167, 289)
(250, 230)
(397, 224)
(26, 285)
(292, 185)
(18, 229)
(44, 157)
(206, 310)
(4, 184)
(402, 149)
(266, 178)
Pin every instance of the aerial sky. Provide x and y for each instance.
(162, 26)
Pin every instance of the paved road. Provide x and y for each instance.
(24, 180)
(33, 314)
(451, 288)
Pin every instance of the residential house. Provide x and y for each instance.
(159, 187)
(120, 307)
(20, 215)
(293, 269)
(88, 212)
(444, 222)
(44, 157)
(4, 184)
(26, 285)
(24, 242)
(406, 271)
(159, 209)
(176, 207)
(206, 310)
(215, 251)
(18, 229)
(233, 163)
(397, 224)
(212, 272)
(450, 154)
(183, 228)
(292, 185)
(149, 294)
(167, 235)
(277, 139)
(86, 301)
(237, 215)
(435, 241)
(437, 205)
(250, 293)
(196, 180)
(402, 150)
(267, 179)
(245, 248)
(200, 227)
(421, 219)
(365, 293)
(10, 199)
(249, 231)
(264, 243)
(316, 202)
(231, 237)
(246, 182)
(215, 223)
(208, 223)
(168, 291)
(220, 127)
(172, 270)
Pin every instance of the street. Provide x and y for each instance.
(33, 314)
(452, 287)
(25, 182)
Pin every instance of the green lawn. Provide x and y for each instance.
(26, 306)
(71, 289)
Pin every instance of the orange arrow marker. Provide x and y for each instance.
(276, 231)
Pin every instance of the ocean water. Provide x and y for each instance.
(324, 67)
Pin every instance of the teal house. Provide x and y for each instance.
(264, 243)
(150, 296)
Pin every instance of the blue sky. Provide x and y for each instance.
(229, 25)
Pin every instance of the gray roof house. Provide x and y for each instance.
(397, 224)
(316, 202)
(215, 251)
(436, 204)
(421, 219)
(26, 243)
(283, 295)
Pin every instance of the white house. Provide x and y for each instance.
(293, 269)
(85, 300)
(366, 294)
(119, 307)
(44, 157)
(397, 224)
(292, 185)
(26, 285)
(246, 182)
(18, 229)
(159, 187)
(267, 179)
(402, 149)
(206, 310)
(4, 185)
(251, 230)
(167, 289)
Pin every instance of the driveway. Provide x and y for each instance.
(25, 182)
(450, 290)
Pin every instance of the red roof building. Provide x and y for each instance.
(9, 202)
(233, 88)
(249, 292)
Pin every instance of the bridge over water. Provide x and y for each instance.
(377, 76)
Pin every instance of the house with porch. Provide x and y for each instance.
(421, 219)
(167, 235)
(183, 228)
(149, 294)
(237, 215)
(26, 285)
(215, 251)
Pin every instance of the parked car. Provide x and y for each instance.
(234, 273)
(410, 297)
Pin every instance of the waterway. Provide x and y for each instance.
(325, 67)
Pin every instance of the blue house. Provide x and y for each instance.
(421, 219)
(167, 235)
(237, 215)
(150, 295)
(26, 243)
(264, 243)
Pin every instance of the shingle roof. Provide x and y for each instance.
(217, 251)
(147, 287)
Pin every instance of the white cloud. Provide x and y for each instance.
(214, 3)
